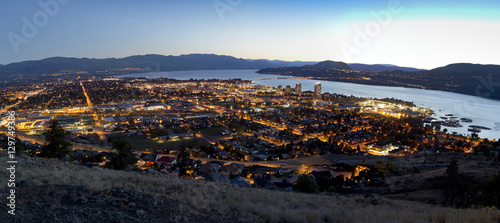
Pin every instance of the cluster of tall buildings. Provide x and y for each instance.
(298, 89)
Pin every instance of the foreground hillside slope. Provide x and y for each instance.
(54, 191)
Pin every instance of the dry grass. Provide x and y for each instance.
(271, 206)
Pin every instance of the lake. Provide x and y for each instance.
(482, 111)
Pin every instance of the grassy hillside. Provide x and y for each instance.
(226, 201)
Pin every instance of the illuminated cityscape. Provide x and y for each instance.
(234, 111)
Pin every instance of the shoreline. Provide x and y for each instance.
(359, 82)
(379, 83)
(463, 105)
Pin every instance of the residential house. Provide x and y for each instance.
(166, 161)
(232, 169)
(285, 185)
(147, 158)
(215, 177)
(264, 170)
(240, 181)
(264, 183)
(208, 168)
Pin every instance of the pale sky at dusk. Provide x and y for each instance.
(419, 33)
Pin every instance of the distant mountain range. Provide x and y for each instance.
(154, 62)
(143, 63)
(329, 65)
(140, 63)
(380, 67)
(282, 63)
(316, 70)
(465, 69)
(471, 79)
(353, 66)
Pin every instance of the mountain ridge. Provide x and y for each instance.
(381, 67)
(143, 63)
(469, 67)
(283, 63)
(466, 78)
(328, 64)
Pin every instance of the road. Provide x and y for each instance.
(41, 141)
(89, 102)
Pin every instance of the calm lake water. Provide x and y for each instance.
(482, 111)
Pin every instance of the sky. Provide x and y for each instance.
(415, 33)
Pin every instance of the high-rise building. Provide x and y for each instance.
(298, 88)
(317, 89)
(279, 90)
(288, 89)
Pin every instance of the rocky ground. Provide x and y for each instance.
(54, 191)
(61, 203)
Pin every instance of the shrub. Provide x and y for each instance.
(125, 156)
(57, 146)
(306, 184)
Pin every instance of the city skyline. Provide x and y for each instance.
(420, 34)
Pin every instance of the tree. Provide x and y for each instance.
(125, 153)
(323, 183)
(389, 167)
(452, 184)
(380, 166)
(247, 170)
(19, 146)
(131, 123)
(56, 146)
(491, 192)
(185, 169)
(306, 184)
